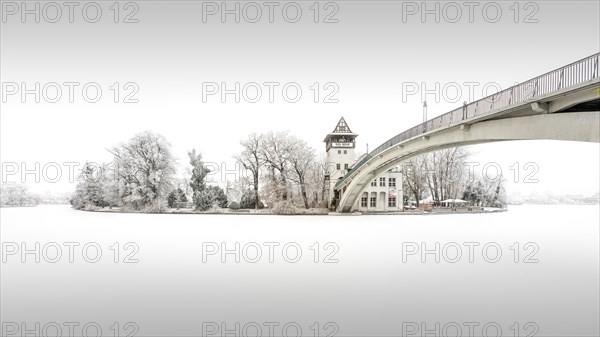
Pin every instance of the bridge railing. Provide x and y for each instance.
(570, 75)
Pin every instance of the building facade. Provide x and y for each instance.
(384, 193)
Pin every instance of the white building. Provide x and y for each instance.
(384, 194)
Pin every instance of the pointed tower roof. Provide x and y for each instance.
(341, 129)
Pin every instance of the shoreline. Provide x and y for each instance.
(315, 212)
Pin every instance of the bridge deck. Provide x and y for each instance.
(503, 104)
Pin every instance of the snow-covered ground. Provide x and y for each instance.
(533, 269)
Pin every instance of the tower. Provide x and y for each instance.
(339, 146)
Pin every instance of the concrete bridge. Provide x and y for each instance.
(563, 104)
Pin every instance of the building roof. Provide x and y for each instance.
(341, 129)
(357, 160)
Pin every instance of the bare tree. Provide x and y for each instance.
(415, 177)
(276, 152)
(317, 181)
(302, 159)
(234, 190)
(251, 160)
(444, 173)
(284, 166)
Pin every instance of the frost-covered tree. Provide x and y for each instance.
(249, 202)
(284, 166)
(199, 172)
(200, 196)
(177, 195)
(218, 196)
(15, 194)
(109, 182)
(414, 174)
(276, 151)
(444, 173)
(183, 183)
(302, 163)
(203, 200)
(317, 184)
(146, 170)
(251, 161)
(235, 189)
(89, 189)
(171, 199)
(486, 193)
(210, 197)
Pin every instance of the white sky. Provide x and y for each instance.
(370, 54)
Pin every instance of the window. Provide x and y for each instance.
(363, 201)
(345, 151)
(345, 166)
(338, 166)
(392, 202)
(339, 151)
(392, 182)
(374, 182)
(382, 182)
(373, 201)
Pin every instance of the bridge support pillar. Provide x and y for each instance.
(540, 107)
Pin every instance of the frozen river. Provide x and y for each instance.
(531, 271)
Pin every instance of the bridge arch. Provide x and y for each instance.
(572, 126)
(563, 104)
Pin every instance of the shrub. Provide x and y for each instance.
(155, 207)
(234, 206)
(315, 211)
(284, 208)
(176, 197)
(209, 197)
(288, 208)
(248, 201)
(171, 199)
(218, 196)
(203, 200)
